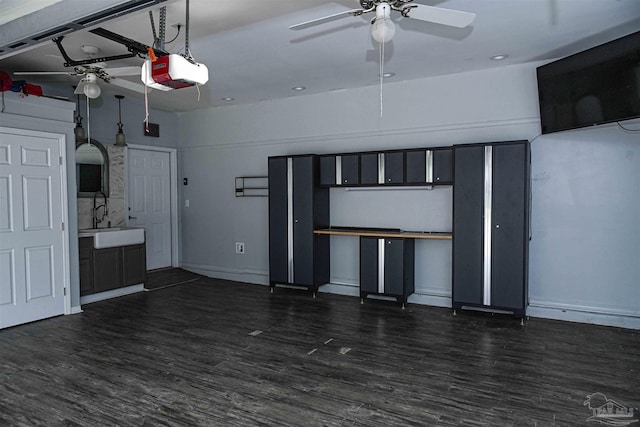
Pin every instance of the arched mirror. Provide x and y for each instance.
(92, 168)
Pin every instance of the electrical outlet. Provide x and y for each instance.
(239, 248)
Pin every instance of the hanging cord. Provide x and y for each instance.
(146, 108)
(88, 122)
(381, 50)
(177, 34)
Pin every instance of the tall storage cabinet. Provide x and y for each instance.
(297, 206)
(491, 226)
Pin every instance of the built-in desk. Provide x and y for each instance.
(387, 259)
(384, 232)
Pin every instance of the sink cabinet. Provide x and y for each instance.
(110, 268)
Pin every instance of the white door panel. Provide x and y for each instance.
(150, 202)
(31, 235)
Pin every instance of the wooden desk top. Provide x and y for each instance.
(385, 233)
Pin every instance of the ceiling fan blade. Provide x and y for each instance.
(43, 73)
(126, 84)
(80, 88)
(450, 17)
(329, 18)
(122, 71)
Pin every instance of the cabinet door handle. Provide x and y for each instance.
(497, 225)
(133, 217)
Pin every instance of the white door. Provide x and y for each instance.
(32, 246)
(150, 202)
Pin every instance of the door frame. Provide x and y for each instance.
(64, 197)
(173, 199)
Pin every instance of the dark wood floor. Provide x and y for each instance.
(219, 353)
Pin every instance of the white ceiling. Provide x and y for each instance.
(253, 56)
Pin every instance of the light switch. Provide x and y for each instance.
(186, 203)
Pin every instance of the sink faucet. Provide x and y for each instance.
(95, 208)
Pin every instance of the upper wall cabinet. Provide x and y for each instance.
(328, 175)
(401, 167)
(349, 167)
(382, 168)
(340, 169)
(430, 166)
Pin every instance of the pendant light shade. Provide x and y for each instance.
(79, 130)
(121, 140)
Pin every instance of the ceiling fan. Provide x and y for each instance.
(93, 72)
(383, 28)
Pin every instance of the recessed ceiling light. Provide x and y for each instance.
(386, 75)
(298, 88)
(228, 98)
(499, 57)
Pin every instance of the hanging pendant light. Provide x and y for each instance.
(79, 130)
(121, 141)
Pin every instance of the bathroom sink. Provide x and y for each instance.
(114, 236)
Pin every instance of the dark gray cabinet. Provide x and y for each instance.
(410, 167)
(134, 264)
(297, 206)
(339, 170)
(328, 170)
(382, 168)
(350, 169)
(369, 168)
(393, 167)
(85, 249)
(107, 269)
(110, 268)
(491, 226)
(430, 166)
(387, 267)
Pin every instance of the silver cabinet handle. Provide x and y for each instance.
(497, 225)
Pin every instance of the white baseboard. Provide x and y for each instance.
(88, 299)
(76, 309)
(584, 314)
(258, 277)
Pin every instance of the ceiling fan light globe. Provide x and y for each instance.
(92, 90)
(383, 30)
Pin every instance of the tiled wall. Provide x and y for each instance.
(116, 203)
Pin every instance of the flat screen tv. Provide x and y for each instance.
(599, 85)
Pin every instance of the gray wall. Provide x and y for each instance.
(585, 247)
(104, 118)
